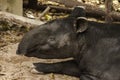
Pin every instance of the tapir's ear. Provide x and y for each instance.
(80, 24)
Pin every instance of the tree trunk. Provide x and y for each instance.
(12, 6)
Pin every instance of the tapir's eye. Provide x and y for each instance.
(51, 38)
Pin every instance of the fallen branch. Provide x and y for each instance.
(44, 12)
(19, 20)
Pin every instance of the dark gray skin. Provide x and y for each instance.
(94, 46)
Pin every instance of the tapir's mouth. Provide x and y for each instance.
(29, 55)
(37, 55)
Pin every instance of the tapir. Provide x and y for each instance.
(94, 47)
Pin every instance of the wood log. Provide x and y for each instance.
(19, 20)
(91, 11)
(43, 7)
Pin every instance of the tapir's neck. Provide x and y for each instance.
(95, 32)
(80, 47)
(105, 26)
(104, 29)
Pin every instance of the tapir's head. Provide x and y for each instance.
(54, 39)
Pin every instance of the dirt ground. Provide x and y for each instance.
(15, 67)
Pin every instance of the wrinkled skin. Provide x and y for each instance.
(94, 46)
